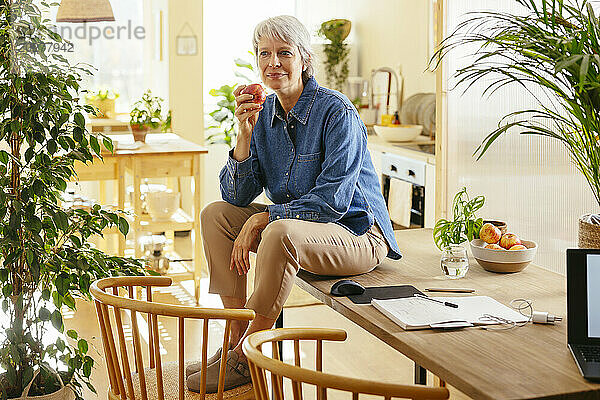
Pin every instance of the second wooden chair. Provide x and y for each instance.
(321, 381)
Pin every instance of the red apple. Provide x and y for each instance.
(518, 247)
(509, 240)
(489, 233)
(493, 246)
(257, 91)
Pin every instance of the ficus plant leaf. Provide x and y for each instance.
(46, 261)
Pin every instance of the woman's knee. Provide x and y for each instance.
(279, 236)
(211, 212)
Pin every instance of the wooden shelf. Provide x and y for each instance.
(180, 221)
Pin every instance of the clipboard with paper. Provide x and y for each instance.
(412, 313)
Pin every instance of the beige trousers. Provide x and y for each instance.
(284, 247)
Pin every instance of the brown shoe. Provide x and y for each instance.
(236, 374)
(197, 366)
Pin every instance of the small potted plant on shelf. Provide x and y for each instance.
(548, 47)
(103, 101)
(47, 261)
(336, 51)
(147, 114)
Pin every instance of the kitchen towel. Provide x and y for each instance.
(400, 201)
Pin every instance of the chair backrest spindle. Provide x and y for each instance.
(137, 347)
(158, 363)
(181, 356)
(109, 362)
(123, 348)
(150, 331)
(113, 352)
(223, 364)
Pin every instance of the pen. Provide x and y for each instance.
(451, 290)
(446, 303)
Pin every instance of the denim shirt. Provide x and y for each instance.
(314, 166)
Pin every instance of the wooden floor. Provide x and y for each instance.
(361, 355)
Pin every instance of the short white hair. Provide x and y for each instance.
(288, 29)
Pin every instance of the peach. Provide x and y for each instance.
(493, 246)
(509, 240)
(489, 233)
(518, 247)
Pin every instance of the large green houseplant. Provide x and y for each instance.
(45, 259)
(553, 46)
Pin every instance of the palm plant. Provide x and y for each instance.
(553, 46)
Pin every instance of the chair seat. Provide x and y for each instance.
(171, 386)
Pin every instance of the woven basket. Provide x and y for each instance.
(589, 234)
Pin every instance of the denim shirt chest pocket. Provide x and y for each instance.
(308, 167)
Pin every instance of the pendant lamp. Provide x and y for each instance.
(84, 11)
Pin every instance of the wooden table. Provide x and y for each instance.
(531, 362)
(164, 155)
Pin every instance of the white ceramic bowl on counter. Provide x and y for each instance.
(503, 261)
(398, 133)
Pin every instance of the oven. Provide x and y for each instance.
(412, 172)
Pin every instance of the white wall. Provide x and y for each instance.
(390, 33)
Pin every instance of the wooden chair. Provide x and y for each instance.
(158, 381)
(259, 363)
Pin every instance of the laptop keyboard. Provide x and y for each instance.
(590, 353)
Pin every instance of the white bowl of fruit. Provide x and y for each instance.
(499, 252)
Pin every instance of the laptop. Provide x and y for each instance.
(583, 310)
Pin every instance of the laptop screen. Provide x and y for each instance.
(593, 294)
(583, 296)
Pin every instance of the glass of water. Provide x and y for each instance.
(455, 262)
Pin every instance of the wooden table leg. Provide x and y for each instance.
(198, 263)
(137, 207)
(279, 324)
(420, 375)
(121, 203)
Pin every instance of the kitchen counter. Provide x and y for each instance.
(378, 144)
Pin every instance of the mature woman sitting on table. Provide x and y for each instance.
(307, 148)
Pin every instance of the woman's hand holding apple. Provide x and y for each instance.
(246, 112)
